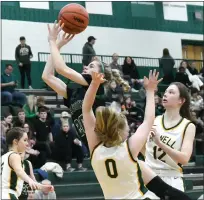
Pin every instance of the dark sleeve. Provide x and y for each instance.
(160, 63)
(135, 73)
(165, 191)
(173, 62)
(17, 54)
(85, 50)
(14, 77)
(2, 79)
(177, 77)
(187, 80)
(73, 134)
(88, 78)
(67, 101)
(196, 71)
(30, 51)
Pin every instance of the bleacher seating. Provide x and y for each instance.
(84, 185)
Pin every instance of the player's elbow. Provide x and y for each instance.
(59, 68)
(44, 77)
(184, 160)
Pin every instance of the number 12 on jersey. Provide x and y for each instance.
(160, 152)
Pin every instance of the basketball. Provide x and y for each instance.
(75, 18)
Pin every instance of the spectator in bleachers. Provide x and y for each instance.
(6, 124)
(21, 119)
(8, 85)
(114, 64)
(159, 107)
(182, 77)
(4, 147)
(134, 114)
(88, 51)
(40, 101)
(194, 79)
(67, 146)
(27, 129)
(114, 92)
(192, 68)
(43, 132)
(36, 157)
(50, 113)
(30, 108)
(130, 73)
(166, 63)
(44, 194)
(201, 74)
(64, 118)
(196, 100)
(23, 54)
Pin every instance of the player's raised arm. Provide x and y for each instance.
(88, 115)
(137, 141)
(58, 62)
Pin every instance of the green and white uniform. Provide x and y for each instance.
(11, 184)
(162, 164)
(117, 172)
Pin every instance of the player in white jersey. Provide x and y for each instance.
(170, 143)
(12, 170)
(114, 157)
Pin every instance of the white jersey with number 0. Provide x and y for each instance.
(117, 172)
(155, 157)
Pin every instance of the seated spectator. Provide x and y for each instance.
(21, 120)
(159, 107)
(64, 118)
(8, 84)
(130, 73)
(134, 114)
(182, 77)
(30, 108)
(50, 114)
(42, 129)
(44, 194)
(192, 68)
(67, 146)
(114, 92)
(28, 130)
(201, 74)
(37, 158)
(196, 100)
(114, 64)
(40, 101)
(6, 124)
(4, 148)
(194, 79)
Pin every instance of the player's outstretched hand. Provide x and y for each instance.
(64, 39)
(34, 185)
(152, 82)
(54, 31)
(98, 78)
